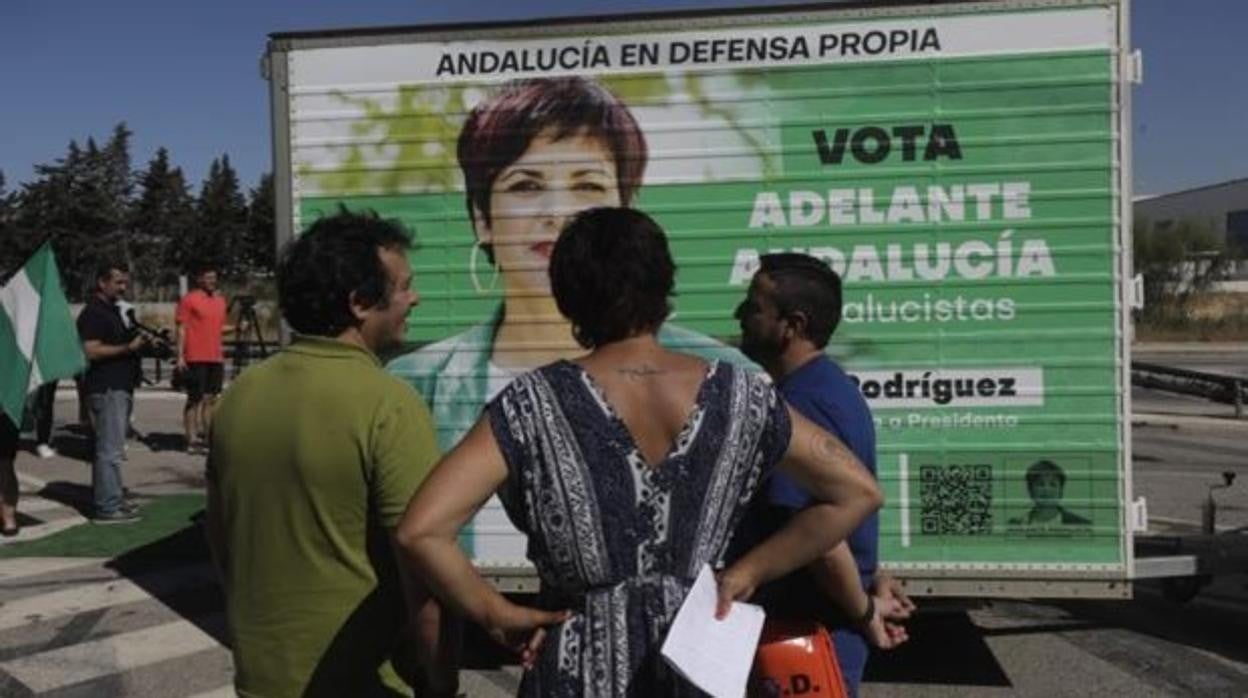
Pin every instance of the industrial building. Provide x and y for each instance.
(1222, 207)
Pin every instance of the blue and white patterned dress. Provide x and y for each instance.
(614, 539)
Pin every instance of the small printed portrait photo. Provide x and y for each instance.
(1046, 485)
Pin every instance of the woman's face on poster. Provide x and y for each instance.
(532, 199)
(1046, 489)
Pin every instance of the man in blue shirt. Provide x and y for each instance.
(793, 306)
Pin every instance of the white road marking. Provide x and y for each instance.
(223, 692)
(85, 661)
(31, 505)
(31, 482)
(20, 567)
(97, 595)
(43, 530)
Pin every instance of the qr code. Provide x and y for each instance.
(955, 499)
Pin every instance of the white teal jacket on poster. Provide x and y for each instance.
(453, 374)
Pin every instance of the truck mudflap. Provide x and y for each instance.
(1188, 563)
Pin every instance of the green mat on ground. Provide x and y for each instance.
(163, 517)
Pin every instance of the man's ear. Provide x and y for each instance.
(798, 322)
(358, 309)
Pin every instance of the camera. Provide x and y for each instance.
(158, 343)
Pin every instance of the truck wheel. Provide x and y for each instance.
(1182, 589)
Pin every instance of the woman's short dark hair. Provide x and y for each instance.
(1044, 468)
(500, 129)
(807, 285)
(612, 275)
(335, 257)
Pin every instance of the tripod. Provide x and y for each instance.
(244, 339)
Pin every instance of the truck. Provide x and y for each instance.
(965, 167)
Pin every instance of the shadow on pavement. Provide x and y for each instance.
(74, 441)
(71, 494)
(159, 441)
(1212, 622)
(201, 604)
(945, 648)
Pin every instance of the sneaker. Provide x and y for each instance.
(130, 506)
(45, 451)
(121, 516)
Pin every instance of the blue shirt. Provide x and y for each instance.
(821, 392)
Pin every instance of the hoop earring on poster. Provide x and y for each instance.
(472, 270)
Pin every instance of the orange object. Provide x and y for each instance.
(204, 318)
(795, 658)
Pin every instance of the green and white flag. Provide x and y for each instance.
(38, 339)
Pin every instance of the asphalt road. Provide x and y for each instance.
(1225, 359)
(1149, 646)
(131, 625)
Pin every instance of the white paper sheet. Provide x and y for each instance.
(715, 655)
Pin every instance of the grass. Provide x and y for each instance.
(1210, 317)
(1183, 329)
(163, 518)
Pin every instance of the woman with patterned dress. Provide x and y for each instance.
(628, 468)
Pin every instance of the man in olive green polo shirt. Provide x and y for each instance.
(314, 456)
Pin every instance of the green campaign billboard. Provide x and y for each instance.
(961, 171)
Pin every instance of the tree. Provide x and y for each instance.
(258, 251)
(1177, 261)
(56, 206)
(221, 217)
(117, 177)
(85, 203)
(9, 239)
(161, 218)
(81, 204)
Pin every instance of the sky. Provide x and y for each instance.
(186, 75)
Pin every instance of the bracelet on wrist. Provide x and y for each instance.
(868, 615)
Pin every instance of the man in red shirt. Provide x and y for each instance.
(201, 320)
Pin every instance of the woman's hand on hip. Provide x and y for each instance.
(522, 629)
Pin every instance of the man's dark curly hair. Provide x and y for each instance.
(334, 258)
(612, 274)
(199, 267)
(104, 268)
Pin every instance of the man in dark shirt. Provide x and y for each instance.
(112, 356)
(793, 306)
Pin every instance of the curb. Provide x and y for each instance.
(1189, 347)
(1184, 524)
(1189, 422)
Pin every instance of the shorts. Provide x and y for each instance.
(203, 378)
(9, 436)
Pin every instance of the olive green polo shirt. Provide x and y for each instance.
(315, 454)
